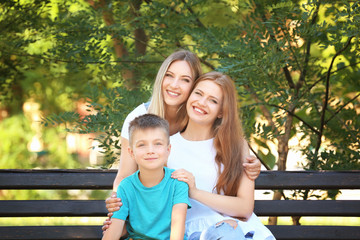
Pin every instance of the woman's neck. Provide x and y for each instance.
(197, 132)
(171, 117)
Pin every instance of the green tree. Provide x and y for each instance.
(295, 64)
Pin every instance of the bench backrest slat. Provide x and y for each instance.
(94, 208)
(102, 179)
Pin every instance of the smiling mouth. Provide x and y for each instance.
(172, 94)
(196, 109)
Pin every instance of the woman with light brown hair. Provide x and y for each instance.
(209, 155)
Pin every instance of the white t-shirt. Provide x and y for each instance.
(138, 111)
(198, 157)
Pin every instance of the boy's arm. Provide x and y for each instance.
(178, 217)
(115, 230)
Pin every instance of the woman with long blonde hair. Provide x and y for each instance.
(172, 87)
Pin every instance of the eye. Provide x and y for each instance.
(168, 75)
(186, 80)
(214, 101)
(197, 93)
(140, 145)
(159, 143)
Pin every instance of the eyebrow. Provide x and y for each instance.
(181, 75)
(157, 139)
(211, 96)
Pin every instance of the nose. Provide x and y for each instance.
(175, 83)
(150, 149)
(202, 101)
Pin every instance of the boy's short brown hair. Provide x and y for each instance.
(147, 121)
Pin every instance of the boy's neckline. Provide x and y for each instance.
(151, 179)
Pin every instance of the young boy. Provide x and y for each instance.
(154, 204)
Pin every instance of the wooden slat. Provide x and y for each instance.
(38, 208)
(103, 179)
(51, 232)
(315, 232)
(308, 180)
(307, 208)
(94, 232)
(56, 179)
(59, 208)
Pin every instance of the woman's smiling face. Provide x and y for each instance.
(204, 105)
(177, 83)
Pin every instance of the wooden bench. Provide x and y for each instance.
(102, 179)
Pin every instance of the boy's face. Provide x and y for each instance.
(150, 148)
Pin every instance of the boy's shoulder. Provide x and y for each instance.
(176, 181)
(129, 179)
(170, 170)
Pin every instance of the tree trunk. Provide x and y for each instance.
(141, 41)
(273, 220)
(130, 77)
(283, 150)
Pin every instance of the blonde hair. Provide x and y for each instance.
(157, 104)
(228, 136)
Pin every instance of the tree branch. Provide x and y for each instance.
(288, 77)
(327, 91)
(264, 110)
(324, 77)
(341, 108)
(258, 157)
(286, 34)
(307, 53)
(199, 24)
(294, 115)
(79, 62)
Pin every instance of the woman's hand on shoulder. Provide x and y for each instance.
(113, 203)
(252, 167)
(185, 176)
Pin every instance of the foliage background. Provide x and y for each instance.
(295, 64)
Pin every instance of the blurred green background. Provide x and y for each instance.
(71, 70)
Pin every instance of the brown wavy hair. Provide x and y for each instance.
(228, 136)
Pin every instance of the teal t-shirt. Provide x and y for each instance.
(148, 210)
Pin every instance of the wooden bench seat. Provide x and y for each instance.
(102, 179)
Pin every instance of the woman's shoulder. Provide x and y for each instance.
(139, 110)
(176, 135)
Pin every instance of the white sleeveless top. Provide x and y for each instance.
(197, 157)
